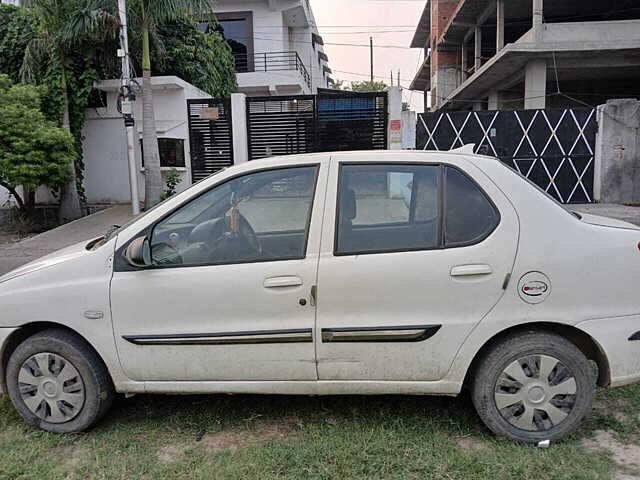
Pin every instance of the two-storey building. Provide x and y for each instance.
(276, 46)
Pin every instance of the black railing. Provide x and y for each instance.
(271, 62)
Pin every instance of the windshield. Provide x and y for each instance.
(116, 229)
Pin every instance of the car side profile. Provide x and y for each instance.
(335, 273)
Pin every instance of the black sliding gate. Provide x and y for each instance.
(552, 147)
(326, 122)
(210, 136)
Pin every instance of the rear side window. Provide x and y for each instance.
(469, 214)
(385, 208)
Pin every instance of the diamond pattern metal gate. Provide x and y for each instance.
(210, 136)
(553, 147)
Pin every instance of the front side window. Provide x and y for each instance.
(261, 216)
(387, 208)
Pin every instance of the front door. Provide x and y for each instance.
(227, 296)
(415, 256)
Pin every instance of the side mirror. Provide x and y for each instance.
(138, 253)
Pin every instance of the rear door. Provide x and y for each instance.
(413, 255)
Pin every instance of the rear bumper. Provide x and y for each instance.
(4, 335)
(612, 334)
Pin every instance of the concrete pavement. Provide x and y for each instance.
(92, 226)
(613, 210)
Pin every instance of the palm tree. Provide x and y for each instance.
(148, 15)
(62, 28)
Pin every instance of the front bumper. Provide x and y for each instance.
(4, 335)
(612, 334)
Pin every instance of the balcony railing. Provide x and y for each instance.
(272, 62)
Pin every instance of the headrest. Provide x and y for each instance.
(347, 204)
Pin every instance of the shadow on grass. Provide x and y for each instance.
(206, 413)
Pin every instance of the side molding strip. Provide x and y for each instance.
(301, 335)
(406, 333)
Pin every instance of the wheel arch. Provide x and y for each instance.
(582, 340)
(26, 331)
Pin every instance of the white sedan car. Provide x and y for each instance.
(342, 273)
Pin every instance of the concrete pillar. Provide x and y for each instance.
(409, 121)
(499, 25)
(463, 63)
(537, 13)
(239, 128)
(617, 152)
(537, 19)
(478, 48)
(477, 106)
(394, 127)
(494, 100)
(535, 83)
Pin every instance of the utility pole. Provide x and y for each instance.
(398, 82)
(127, 97)
(371, 55)
(392, 78)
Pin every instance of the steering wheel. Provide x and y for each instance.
(235, 241)
(165, 254)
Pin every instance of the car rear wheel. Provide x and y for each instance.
(57, 382)
(533, 386)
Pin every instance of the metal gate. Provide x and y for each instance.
(552, 147)
(280, 125)
(210, 136)
(316, 123)
(352, 121)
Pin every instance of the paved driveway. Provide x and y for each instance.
(92, 226)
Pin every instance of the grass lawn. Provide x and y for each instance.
(262, 437)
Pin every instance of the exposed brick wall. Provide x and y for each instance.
(441, 11)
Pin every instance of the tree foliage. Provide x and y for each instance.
(17, 27)
(202, 59)
(33, 150)
(81, 54)
(368, 86)
(360, 86)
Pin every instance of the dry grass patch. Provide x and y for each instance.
(172, 452)
(258, 433)
(626, 455)
(471, 443)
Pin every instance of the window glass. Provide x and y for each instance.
(257, 217)
(469, 215)
(387, 208)
(171, 152)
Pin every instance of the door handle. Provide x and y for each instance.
(470, 270)
(285, 281)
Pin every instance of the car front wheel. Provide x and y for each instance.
(533, 386)
(57, 382)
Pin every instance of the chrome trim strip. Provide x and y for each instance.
(408, 333)
(303, 335)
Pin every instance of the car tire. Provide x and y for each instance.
(58, 383)
(516, 397)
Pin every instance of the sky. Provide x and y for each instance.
(389, 22)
